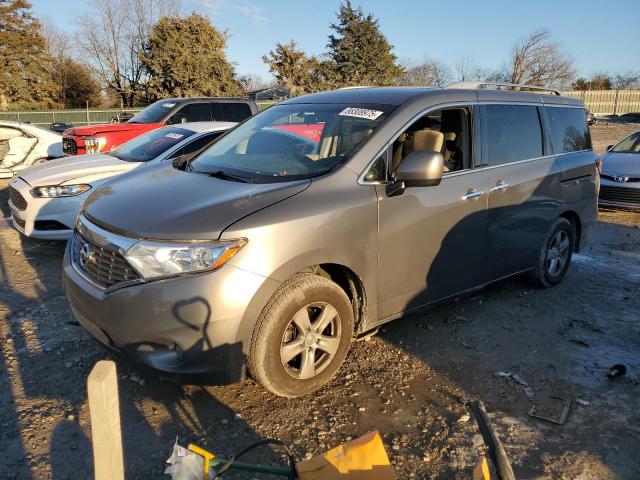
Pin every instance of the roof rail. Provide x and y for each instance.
(501, 86)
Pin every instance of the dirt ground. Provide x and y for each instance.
(413, 381)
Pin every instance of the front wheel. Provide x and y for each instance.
(555, 256)
(302, 336)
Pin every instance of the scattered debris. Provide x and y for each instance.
(562, 419)
(528, 390)
(464, 418)
(582, 402)
(617, 371)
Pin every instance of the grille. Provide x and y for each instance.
(104, 267)
(49, 225)
(21, 223)
(17, 199)
(620, 194)
(69, 146)
(613, 178)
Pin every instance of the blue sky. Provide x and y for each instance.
(601, 36)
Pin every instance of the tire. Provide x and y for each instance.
(554, 257)
(305, 302)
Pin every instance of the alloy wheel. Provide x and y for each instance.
(558, 253)
(310, 340)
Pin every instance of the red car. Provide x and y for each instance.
(103, 138)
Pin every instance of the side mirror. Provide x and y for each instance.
(421, 168)
(610, 147)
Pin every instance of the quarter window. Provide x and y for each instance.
(569, 129)
(513, 133)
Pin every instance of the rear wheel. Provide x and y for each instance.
(555, 256)
(302, 336)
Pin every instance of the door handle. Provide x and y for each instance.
(501, 185)
(473, 193)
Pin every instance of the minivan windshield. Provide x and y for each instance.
(291, 142)
(154, 113)
(631, 144)
(149, 145)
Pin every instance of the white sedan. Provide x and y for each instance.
(24, 144)
(45, 199)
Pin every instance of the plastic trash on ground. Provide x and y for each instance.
(361, 459)
(184, 464)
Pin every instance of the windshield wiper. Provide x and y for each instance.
(227, 176)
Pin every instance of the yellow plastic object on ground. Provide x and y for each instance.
(361, 459)
(208, 456)
(481, 470)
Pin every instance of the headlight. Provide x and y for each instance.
(163, 259)
(94, 144)
(52, 191)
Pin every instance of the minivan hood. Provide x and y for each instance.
(164, 203)
(92, 130)
(624, 163)
(67, 169)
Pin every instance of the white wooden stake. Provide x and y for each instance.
(104, 406)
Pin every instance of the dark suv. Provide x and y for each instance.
(104, 138)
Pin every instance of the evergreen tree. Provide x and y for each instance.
(360, 53)
(294, 70)
(77, 85)
(184, 57)
(25, 66)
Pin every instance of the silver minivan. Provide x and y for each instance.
(321, 218)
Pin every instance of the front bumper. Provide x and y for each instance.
(186, 328)
(619, 195)
(42, 216)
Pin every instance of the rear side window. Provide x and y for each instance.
(195, 112)
(569, 129)
(234, 112)
(512, 133)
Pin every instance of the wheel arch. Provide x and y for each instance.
(576, 223)
(349, 282)
(344, 276)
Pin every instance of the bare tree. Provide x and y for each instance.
(253, 82)
(466, 69)
(112, 38)
(429, 72)
(536, 60)
(627, 80)
(57, 42)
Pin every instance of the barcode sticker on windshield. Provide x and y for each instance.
(361, 113)
(175, 136)
(168, 105)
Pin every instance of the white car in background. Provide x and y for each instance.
(45, 199)
(23, 144)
